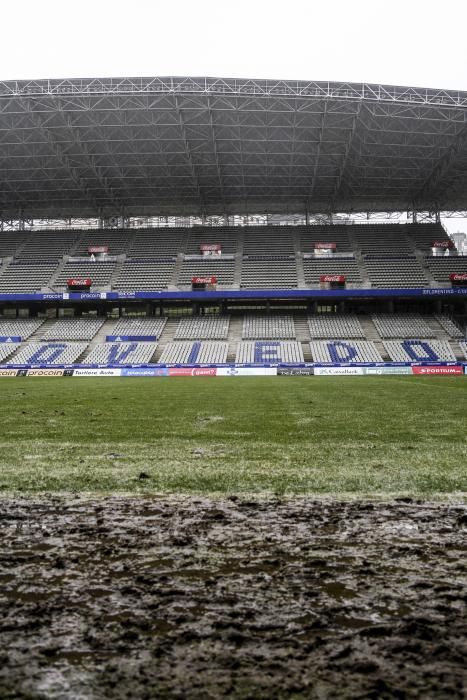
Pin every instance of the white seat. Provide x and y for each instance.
(419, 350)
(269, 352)
(48, 353)
(131, 353)
(344, 351)
(191, 353)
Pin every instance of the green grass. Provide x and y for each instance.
(340, 436)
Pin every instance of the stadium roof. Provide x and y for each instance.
(176, 146)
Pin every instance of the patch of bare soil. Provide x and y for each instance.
(185, 597)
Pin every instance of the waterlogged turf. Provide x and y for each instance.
(381, 436)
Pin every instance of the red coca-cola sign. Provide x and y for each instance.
(458, 277)
(442, 244)
(204, 280)
(79, 282)
(332, 278)
(205, 247)
(93, 249)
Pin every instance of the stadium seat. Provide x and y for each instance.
(268, 272)
(385, 271)
(74, 329)
(99, 272)
(25, 275)
(48, 353)
(152, 326)
(449, 326)
(345, 351)
(19, 327)
(335, 326)
(441, 268)
(203, 328)
(402, 326)
(144, 273)
(223, 270)
(269, 352)
(7, 349)
(419, 350)
(267, 326)
(191, 353)
(120, 354)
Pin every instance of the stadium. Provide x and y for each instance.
(269, 266)
(284, 521)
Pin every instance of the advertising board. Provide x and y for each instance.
(454, 369)
(341, 371)
(192, 371)
(144, 372)
(246, 371)
(388, 370)
(97, 372)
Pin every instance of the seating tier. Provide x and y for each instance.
(335, 326)
(419, 350)
(191, 353)
(140, 326)
(344, 351)
(121, 354)
(268, 326)
(19, 327)
(203, 328)
(74, 329)
(402, 326)
(48, 353)
(269, 352)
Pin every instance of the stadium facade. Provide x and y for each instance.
(156, 223)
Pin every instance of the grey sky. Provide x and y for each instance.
(402, 42)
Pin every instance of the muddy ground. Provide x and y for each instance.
(185, 597)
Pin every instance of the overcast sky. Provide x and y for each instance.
(399, 42)
(402, 42)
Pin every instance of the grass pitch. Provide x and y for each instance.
(379, 436)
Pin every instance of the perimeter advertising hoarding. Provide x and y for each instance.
(295, 371)
(388, 370)
(246, 371)
(144, 372)
(8, 372)
(158, 295)
(455, 369)
(98, 372)
(50, 372)
(192, 371)
(342, 371)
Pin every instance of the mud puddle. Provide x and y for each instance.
(184, 597)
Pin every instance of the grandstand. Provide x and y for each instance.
(306, 251)
(26, 269)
